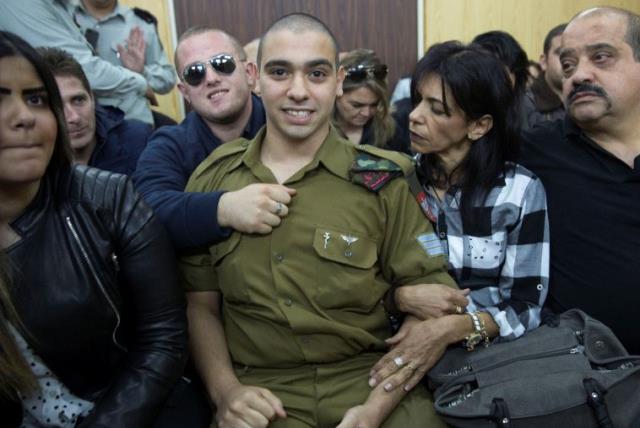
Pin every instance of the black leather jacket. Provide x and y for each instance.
(96, 286)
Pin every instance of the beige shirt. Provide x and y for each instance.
(310, 292)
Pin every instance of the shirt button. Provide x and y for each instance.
(288, 302)
(443, 235)
(279, 258)
(540, 287)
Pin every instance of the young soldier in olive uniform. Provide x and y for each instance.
(303, 322)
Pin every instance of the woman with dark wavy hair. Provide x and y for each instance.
(99, 319)
(489, 214)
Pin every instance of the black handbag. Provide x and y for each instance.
(571, 371)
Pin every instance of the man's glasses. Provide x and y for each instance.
(363, 71)
(195, 73)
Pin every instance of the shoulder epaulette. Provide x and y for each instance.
(224, 151)
(145, 15)
(373, 168)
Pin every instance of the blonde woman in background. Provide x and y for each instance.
(362, 113)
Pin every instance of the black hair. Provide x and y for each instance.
(13, 45)
(479, 85)
(508, 50)
(298, 22)
(553, 33)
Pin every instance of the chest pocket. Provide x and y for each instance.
(345, 248)
(225, 263)
(347, 277)
(485, 252)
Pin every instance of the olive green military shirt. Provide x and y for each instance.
(310, 291)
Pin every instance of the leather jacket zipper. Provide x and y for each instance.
(97, 278)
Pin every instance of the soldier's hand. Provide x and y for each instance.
(133, 55)
(361, 416)
(256, 208)
(249, 407)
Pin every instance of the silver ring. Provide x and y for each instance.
(458, 309)
(279, 207)
(398, 361)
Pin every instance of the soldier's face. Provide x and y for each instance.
(218, 97)
(299, 83)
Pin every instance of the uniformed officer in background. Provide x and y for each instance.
(285, 327)
(126, 37)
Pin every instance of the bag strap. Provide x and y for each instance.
(500, 413)
(595, 399)
(420, 195)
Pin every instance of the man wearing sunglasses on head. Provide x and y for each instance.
(216, 80)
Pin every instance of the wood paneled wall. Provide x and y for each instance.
(387, 26)
(527, 20)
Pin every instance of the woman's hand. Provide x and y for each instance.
(426, 301)
(416, 347)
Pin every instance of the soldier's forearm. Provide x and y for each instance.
(209, 348)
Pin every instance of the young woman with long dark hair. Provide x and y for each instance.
(99, 318)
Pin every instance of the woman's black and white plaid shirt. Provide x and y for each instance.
(503, 255)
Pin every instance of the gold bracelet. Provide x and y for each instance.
(479, 334)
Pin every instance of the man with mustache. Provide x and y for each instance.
(216, 80)
(590, 166)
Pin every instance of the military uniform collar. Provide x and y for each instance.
(335, 154)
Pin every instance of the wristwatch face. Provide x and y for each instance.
(472, 341)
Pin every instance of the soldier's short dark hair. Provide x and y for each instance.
(298, 23)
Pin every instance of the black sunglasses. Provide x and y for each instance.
(195, 73)
(363, 71)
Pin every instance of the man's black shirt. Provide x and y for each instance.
(594, 219)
